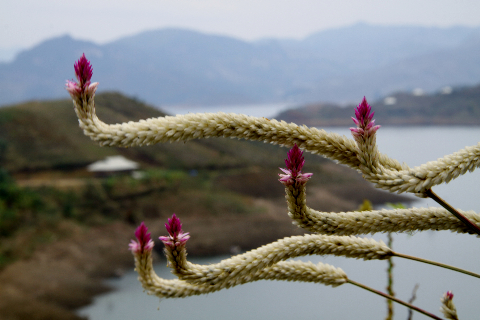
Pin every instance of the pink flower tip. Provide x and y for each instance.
(295, 159)
(448, 295)
(176, 236)
(294, 164)
(364, 120)
(83, 70)
(144, 241)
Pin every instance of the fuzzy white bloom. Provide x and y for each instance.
(387, 173)
(244, 266)
(364, 222)
(284, 270)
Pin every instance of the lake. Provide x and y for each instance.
(283, 300)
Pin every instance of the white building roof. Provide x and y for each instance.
(113, 163)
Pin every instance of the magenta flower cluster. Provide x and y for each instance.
(449, 295)
(364, 120)
(144, 241)
(83, 72)
(176, 236)
(293, 172)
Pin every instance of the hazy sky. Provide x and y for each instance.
(24, 23)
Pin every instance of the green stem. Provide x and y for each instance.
(470, 225)
(438, 264)
(406, 304)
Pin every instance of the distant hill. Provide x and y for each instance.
(174, 66)
(461, 106)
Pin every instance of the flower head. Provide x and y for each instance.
(83, 72)
(176, 236)
(144, 241)
(448, 295)
(294, 164)
(448, 307)
(364, 121)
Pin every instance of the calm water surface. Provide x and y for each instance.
(267, 110)
(283, 300)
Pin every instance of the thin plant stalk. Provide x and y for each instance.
(406, 304)
(438, 264)
(390, 281)
(414, 296)
(470, 225)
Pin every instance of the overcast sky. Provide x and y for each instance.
(24, 23)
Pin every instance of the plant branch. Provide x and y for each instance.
(406, 304)
(414, 296)
(438, 264)
(390, 281)
(473, 227)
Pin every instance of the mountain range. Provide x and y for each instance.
(184, 67)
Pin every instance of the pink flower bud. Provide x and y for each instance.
(83, 72)
(176, 236)
(448, 295)
(294, 164)
(144, 241)
(364, 121)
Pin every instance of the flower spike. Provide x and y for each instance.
(364, 121)
(144, 241)
(176, 236)
(83, 72)
(294, 164)
(448, 307)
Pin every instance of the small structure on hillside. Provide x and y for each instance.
(113, 165)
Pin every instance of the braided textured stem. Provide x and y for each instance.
(365, 222)
(389, 173)
(284, 270)
(230, 271)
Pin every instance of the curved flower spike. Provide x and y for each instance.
(384, 172)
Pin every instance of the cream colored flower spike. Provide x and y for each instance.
(361, 155)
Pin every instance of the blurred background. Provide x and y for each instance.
(69, 207)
